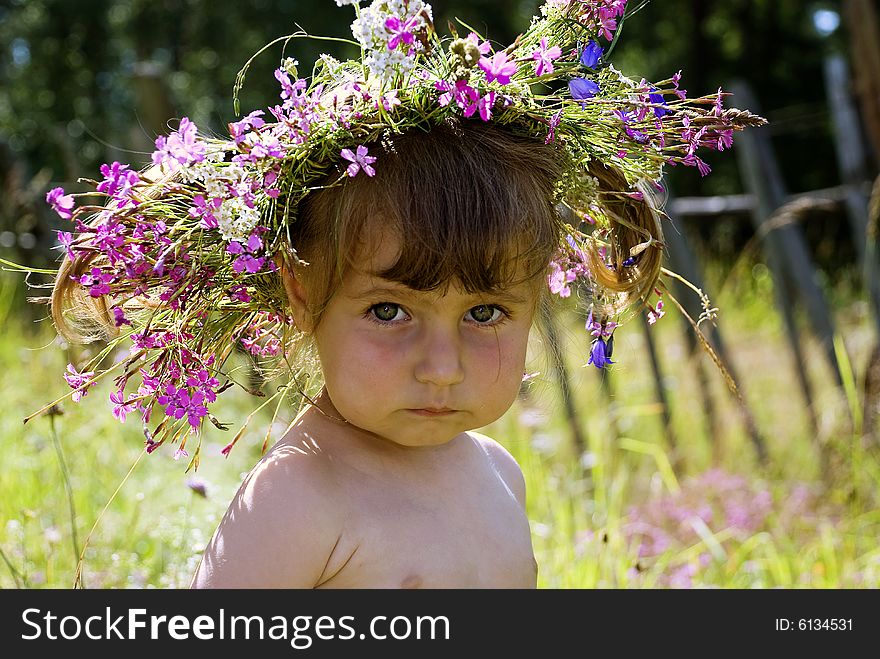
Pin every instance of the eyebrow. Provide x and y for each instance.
(405, 292)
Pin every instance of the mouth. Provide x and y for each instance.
(433, 411)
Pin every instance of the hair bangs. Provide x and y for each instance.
(468, 203)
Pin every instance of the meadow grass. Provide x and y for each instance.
(644, 506)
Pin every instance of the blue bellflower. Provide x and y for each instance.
(591, 55)
(658, 100)
(582, 89)
(600, 352)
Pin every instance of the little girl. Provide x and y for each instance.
(402, 216)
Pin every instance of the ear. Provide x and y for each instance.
(296, 296)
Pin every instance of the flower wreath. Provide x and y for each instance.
(181, 258)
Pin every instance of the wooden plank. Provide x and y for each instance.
(851, 161)
(788, 257)
(863, 29)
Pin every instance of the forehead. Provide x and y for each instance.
(379, 250)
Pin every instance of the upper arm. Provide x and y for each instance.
(279, 530)
(506, 466)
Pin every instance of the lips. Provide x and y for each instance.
(433, 411)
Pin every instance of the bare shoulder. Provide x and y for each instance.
(505, 464)
(281, 526)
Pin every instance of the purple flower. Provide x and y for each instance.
(96, 281)
(401, 31)
(359, 160)
(119, 317)
(582, 89)
(181, 147)
(121, 409)
(254, 244)
(498, 68)
(238, 129)
(600, 352)
(239, 294)
(484, 47)
(656, 313)
(554, 124)
(465, 96)
(205, 210)
(544, 58)
(628, 118)
(60, 202)
(249, 263)
(195, 409)
(118, 180)
(247, 260)
(591, 54)
(484, 105)
(65, 238)
(676, 80)
(79, 381)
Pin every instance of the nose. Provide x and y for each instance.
(440, 358)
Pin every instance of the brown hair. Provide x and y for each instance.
(471, 203)
(474, 203)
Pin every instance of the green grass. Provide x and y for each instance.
(704, 510)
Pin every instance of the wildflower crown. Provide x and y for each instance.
(181, 260)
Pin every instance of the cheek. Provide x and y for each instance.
(498, 367)
(354, 366)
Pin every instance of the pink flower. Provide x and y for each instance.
(119, 318)
(79, 381)
(359, 160)
(559, 280)
(65, 238)
(656, 313)
(96, 281)
(544, 58)
(121, 409)
(389, 101)
(498, 68)
(182, 147)
(238, 129)
(118, 180)
(554, 124)
(60, 202)
(400, 31)
(484, 105)
(484, 47)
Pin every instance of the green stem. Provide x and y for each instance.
(65, 474)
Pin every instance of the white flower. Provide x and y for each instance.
(236, 219)
(370, 31)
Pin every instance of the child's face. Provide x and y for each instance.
(418, 368)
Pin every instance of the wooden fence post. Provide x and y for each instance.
(851, 159)
(684, 262)
(864, 39)
(786, 250)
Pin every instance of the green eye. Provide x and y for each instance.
(385, 311)
(485, 313)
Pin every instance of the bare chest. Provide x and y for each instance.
(463, 535)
